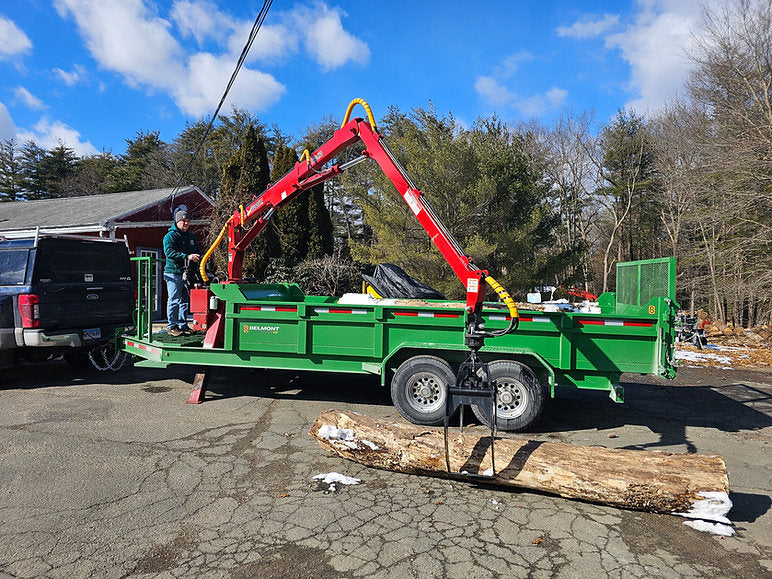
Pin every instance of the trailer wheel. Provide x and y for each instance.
(520, 397)
(419, 389)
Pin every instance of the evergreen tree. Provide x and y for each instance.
(57, 167)
(32, 177)
(145, 165)
(292, 218)
(10, 171)
(629, 170)
(95, 174)
(221, 144)
(246, 176)
(480, 182)
(321, 240)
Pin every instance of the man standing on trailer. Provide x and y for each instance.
(179, 245)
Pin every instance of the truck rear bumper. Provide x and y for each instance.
(39, 338)
(71, 339)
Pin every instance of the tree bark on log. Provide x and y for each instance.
(692, 485)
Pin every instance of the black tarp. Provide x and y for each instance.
(391, 281)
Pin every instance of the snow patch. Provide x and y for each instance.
(330, 432)
(338, 436)
(713, 507)
(688, 355)
(344, 437)
(560, 305)
(353, 299)
(333, 478)
(369, 444)
(715, 528)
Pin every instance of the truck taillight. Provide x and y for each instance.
(29, 308)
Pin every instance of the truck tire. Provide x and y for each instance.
(520, 397)
(419, 389)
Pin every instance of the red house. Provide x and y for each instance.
(141, 217)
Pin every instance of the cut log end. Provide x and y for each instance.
(641, 480)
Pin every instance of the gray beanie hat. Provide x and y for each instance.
(180, 215)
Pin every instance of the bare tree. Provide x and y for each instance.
(573, 177)
(733, 83)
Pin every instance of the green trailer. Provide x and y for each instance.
(416, 347)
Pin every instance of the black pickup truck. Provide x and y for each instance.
(62, 295)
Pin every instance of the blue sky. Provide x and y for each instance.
(92, 73)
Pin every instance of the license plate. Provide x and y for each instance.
(92, 334)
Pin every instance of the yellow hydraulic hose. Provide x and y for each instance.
(202, 267)
(210, 251)
(362, 102)
(505, 297)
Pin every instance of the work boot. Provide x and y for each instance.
(175, 332)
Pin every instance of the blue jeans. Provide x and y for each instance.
(178, 302)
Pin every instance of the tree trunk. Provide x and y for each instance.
(691, 485)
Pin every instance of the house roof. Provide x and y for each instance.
(89, 212)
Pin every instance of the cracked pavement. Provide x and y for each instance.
(112, 475)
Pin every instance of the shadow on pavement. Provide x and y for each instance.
(747, 508)
(665, 408)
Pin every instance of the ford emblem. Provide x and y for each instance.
(92, 296)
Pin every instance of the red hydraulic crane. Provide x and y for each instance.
(311, 171)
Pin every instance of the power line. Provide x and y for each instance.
(244, 52)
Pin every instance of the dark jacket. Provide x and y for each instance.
(178, 245)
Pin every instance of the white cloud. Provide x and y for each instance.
(123, 36)
(511, 64)
(71, 78)
(12, 40)
(325, 38)
(539, 104)
(7, 128)
(130, 39)
(208, 74)
(275, 42)
(28, 99)
(200, 19)
(492, 92)
(49, 135)
(589, 27)
(654, 46)
(498, 95)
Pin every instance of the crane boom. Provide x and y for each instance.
(311, 171)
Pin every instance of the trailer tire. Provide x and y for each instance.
(419, 389)
(520, 397)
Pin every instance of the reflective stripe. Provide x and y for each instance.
(143, 347)
(428, 314)
(267, 309)
(538, 319)
(615, 323)
(338, 311)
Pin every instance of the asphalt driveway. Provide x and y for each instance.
(112, 475)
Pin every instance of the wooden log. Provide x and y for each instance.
(691, 485)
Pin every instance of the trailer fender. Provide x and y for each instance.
(456, 353)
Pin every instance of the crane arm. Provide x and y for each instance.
(310, 171)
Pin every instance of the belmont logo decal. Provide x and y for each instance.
(267, 329)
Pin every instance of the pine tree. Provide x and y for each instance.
(321, 239)
(10, 171)
(245, 176)
(292, 218)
